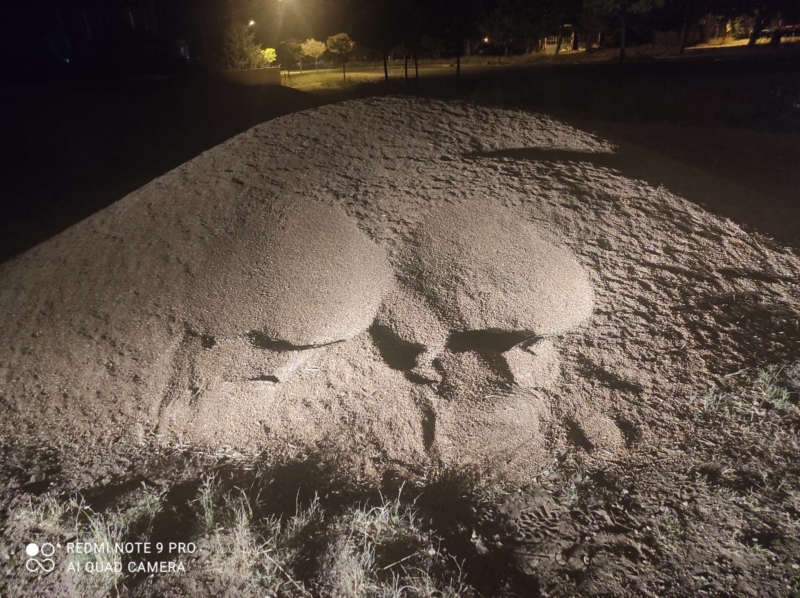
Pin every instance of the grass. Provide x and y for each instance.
(380, 546)
(383, 551)
(776, 384)
(259, 553)
(775, 387)
(366, 73)
(669, 530)
(757, 473)
(47, 515)
(331, 79)
(380, 550)
(48, 519)
(726, 500)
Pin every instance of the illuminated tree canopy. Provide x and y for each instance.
(313, 49)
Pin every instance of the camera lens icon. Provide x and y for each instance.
(45, 565)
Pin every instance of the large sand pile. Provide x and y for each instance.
(370, 274)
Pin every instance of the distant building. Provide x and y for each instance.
(567, 39)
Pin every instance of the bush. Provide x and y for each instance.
(268, 56)
(741, 27)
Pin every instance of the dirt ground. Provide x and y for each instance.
(659, 459)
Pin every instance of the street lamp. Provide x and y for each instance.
(251, 23)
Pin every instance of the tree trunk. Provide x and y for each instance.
(558, 43)
(684, 34)
(386, 65)
(344, 73)
(622, 40)
(458, 66)
(316, 65)
(405, 62)
(758, 27)
(416, 64)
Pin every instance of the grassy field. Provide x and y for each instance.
(333, 79)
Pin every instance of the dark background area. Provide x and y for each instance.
(98, 98)
(90, 38)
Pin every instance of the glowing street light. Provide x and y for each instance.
(251, 23)
(485, 40)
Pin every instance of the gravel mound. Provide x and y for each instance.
(304, 275)
(384, 276)
(486, 270)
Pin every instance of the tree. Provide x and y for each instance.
(240, 51)
(290, 54)
(454, 21)
(523, 22)
(498, 24)
(621, 11)
(688, 5)
(639, 8)
(764, 11)
(342, 45)
(268, 56)
(414, 22)
(314, 49)
(593, 18)
(376, 26)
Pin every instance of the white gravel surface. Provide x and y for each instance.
(369, 274)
